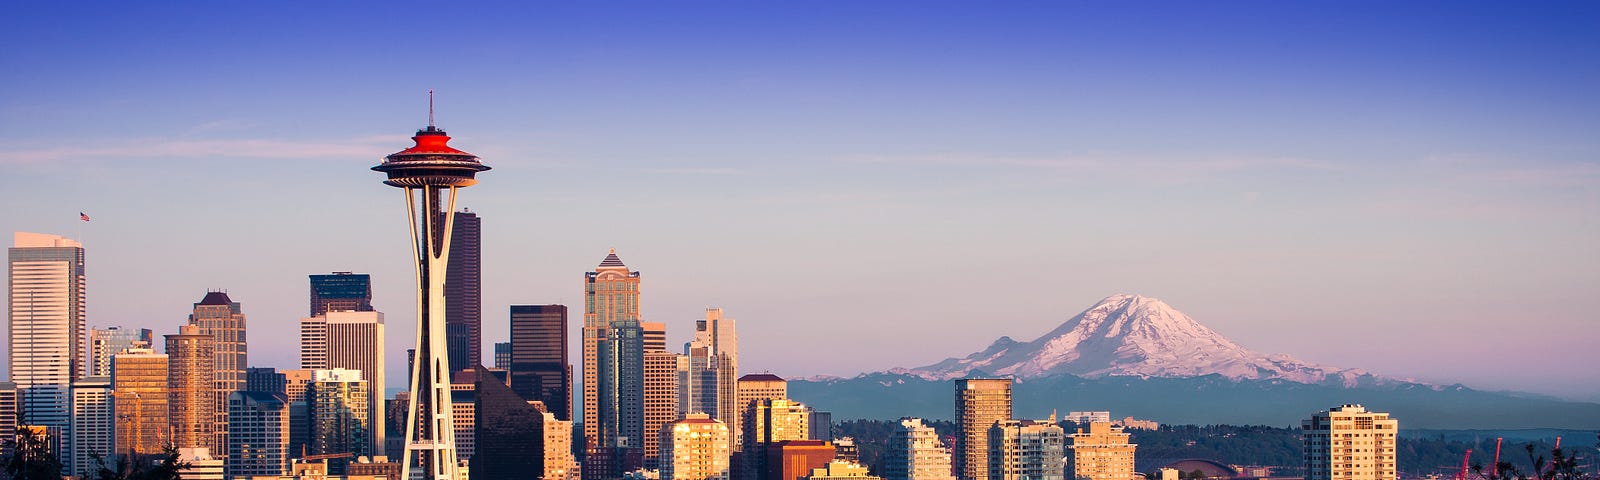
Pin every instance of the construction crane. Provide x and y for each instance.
(1462, 475)
(1496, 465)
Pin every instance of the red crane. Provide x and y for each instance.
(1462, 475)
(1496, 465)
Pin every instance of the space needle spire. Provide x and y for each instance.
(430, 172)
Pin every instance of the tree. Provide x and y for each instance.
(31, 457)
(142, 467)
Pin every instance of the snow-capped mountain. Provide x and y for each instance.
(1132, 335)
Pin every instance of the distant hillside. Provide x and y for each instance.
(1203, 400)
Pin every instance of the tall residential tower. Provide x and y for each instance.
(979, 403)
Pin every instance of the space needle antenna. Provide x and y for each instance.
(430, 107)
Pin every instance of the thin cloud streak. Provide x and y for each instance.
(359, 147)
(1171, 170)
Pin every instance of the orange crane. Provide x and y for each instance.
(1462, 475)
(1496, 465)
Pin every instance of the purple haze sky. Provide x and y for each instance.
(1412, 188)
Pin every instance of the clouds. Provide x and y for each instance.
(367, 147)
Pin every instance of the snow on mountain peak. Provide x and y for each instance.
(1127, 334)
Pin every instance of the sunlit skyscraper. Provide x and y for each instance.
(340, 291)
(1349, 443)
(539, 367)
(613, 367)
(139, 385)
(47, 325)
(710, 384)
(191, 403)
(105, 342)
(979, 403)
(463, 293)
(222, 319)
(349, 340)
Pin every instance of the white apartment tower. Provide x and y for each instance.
(93, 431)
(47, 325)
(1103, 453)
(915, 453)
(1026, 450)
(1349, 443)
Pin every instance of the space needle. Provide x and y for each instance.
(430, 172)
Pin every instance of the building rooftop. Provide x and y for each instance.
(215, 298)
(761, 377)
(612, 260)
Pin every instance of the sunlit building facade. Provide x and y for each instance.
(979, 403)
(695, 448)
(1103, 453)
(1349, 443)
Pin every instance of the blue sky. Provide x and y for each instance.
(1411, 188)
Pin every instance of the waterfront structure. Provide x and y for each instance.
(709, 380)
(352, 340)
(841, 470)
(1026, 450)
(139, 389)
(340, 291)
(915, 453)
(431, 172)
(336, 403)
(191, 385)
(45, 335)
(613, 358)
(463, 292)
(222, 319)
(979, 403)
(538, 362)
(1102, 453)
(1349, 443)
(694, 448)
(92, 428)
(105, 342)
(258, 434)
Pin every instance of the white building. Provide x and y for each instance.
(695, 448)
(915, 453)
(48, 325)
(202, 466)
(93, 432)
(558, 460)
(258, 434)
(1349, 443)
(1027, 450)
(1085, 418)
(350, 340)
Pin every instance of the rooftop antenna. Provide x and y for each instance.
(430, 107)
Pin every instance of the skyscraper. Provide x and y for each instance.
(463, 293)
(611, 337)
(1102, 453)
(915, 453)
(540, 369)
(515, 426)
(502, 355)
(340, 291)
(191, 403)
(766, 423)
(139, 385)
(349, 340)
(92, 424)
(695, 448)
(435, 170)
(336, 402)
(8, 414)
(711, 383)
(1349, 443)
(105, 342)
(1026, 450)
(222, 319)
(660, 399)
(979, 403)
(756, 387)
(47, 325)
(259, 441)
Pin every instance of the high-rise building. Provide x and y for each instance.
(105, 342)
(515, 426)
(191, 383)
(91, 433)
(613, 345)
(336, 402)
(660, 399)
(258, 437)
(464, 401)
(766, 423)
(559, 463)
(502, 356)
(8, 414)
(1102, 453)
(915, 453)
(793, 459)
(139, 388)
(463, 292)
(434, 170)
(821, 425)
(265, 380)
(340, 291)
(709, 383)
(757, 387)
(47, 325)
(538, 366)
(1088, 417)
(979, 403)
(295, 383)
(352, 340)
(1349, 443)
(694, 448)
(841, 470)
(222, 319)
(1026, 450)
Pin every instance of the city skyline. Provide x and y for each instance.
(1425, 170)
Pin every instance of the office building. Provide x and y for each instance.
(792, 459)
(1026, 450)
(979, 403)
(350, 340)
(265, 380)
(709, 382)
(502, 356)
(766, 423)
(340, 291)
(139, 387)
(914, 452)
(336, 401)
(539, 366)
(1085, 418)
(1349, 443)
(559, 463)
(295, 383)
(191, 381)
(202, 466)
(841, 470)
(92, 431)
(613, 370)
(694, 448)
(515, 426)
(258, 436)
(222, 319)
(756, 387)
(463, 293)
(1102, 453)
(47, 325)
(660, 399)
(8, 415)
(105, 342)
(821, 425)
(464, 406)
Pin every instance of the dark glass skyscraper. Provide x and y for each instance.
(516, 427)
(341, 291)
(539, 367)
(463, 294)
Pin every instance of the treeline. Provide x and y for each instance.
(1249, 445)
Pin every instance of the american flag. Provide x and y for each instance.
(83, 216)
